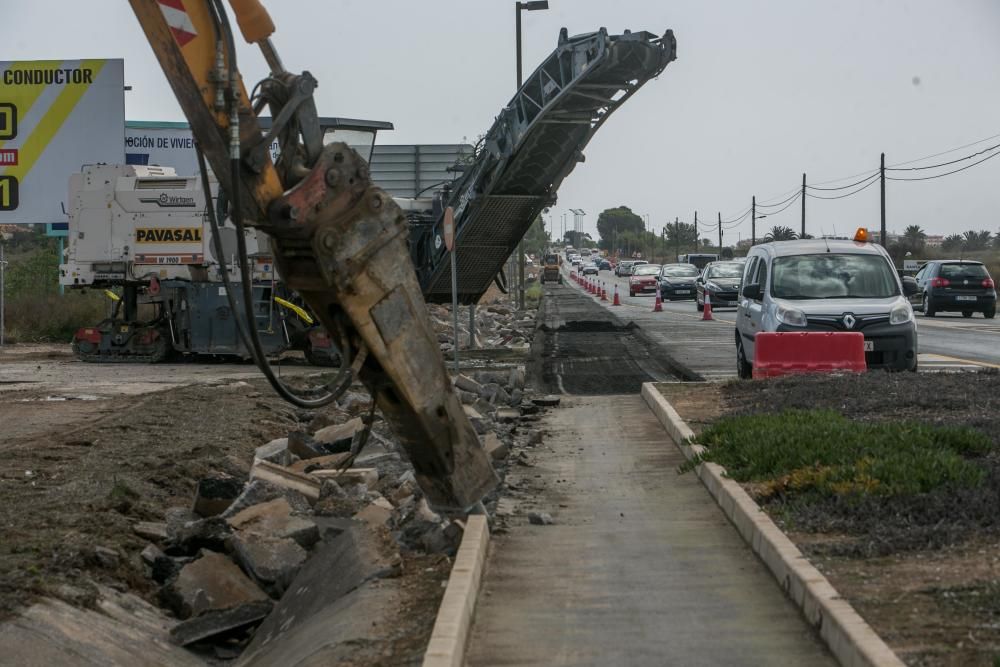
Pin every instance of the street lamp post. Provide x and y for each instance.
(531, 6)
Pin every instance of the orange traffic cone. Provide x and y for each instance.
(658, 306)
(604, 294)
(616, 302)
(706, 313)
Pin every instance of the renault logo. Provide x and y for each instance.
(849, 321)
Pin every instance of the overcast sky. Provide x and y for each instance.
(760, 93)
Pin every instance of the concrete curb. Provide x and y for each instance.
(454, 618)
(851, 640)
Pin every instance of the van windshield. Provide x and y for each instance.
(833, 276)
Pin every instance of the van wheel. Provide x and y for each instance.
(966, 313)
(926, 307)
(744, 369)
(990, 313)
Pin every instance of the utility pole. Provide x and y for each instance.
(518, 7)
(753, 221)
(720, 233)
(803, 234)
(677, 239)
(696, 232)
(882, 178)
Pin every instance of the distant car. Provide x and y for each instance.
(590, 269)
(677, 281)
(604, 265)
(636, 264)
(624, 267)
(643, 279)
(576, 260)
(956, 285)
(721, 281)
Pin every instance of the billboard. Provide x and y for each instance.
(162, 144)
(55, 116)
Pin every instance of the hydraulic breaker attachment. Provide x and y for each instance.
(341, 243)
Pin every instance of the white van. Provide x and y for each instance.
(827, 285)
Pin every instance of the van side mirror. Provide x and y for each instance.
(910, 286)
(752, 292)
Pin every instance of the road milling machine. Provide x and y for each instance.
(362, 262)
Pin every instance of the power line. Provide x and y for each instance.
(945, 164)
(798, 192)
(947, 173)
(790, 202)
(950, 150)
(845, 187)
(870, 183)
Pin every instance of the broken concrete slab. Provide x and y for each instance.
(151, 553)
(281, 476)
(210, 533)
(311, 616)
(378, 513)
(349, 477)
(150, 530)
(216, 493)
(259, 491)
(478, 421)
(274, 518)
(326, 461)
(465, 383)
(337, 438)
(272, 561)
(331, 636)
(275, 451)
(507, 415)
(210, 583)
(121, 629)
(495, 447)
(303, 446)
(218, 621)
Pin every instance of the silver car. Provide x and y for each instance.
(827, 285)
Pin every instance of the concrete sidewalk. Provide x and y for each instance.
(640, 568)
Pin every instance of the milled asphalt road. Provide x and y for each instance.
(640, 567)
(946, 342)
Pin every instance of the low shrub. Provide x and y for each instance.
(819, 453)
(46, 317)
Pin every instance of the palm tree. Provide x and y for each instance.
(977, 240)
(780, 233)
(952, 242)
(914, 238)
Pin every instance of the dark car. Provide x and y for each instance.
(956, 285)
(643, 279)
(677, 281)
(604, 265)
(721, 281)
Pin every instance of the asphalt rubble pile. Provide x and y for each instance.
(225, 563)
(498, 325)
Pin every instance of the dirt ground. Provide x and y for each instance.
(931, 591)
(81, 467)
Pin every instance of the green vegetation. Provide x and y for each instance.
(816, 454)
(35, 312)
(533, 295)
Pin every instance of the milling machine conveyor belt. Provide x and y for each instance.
(534, 144)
